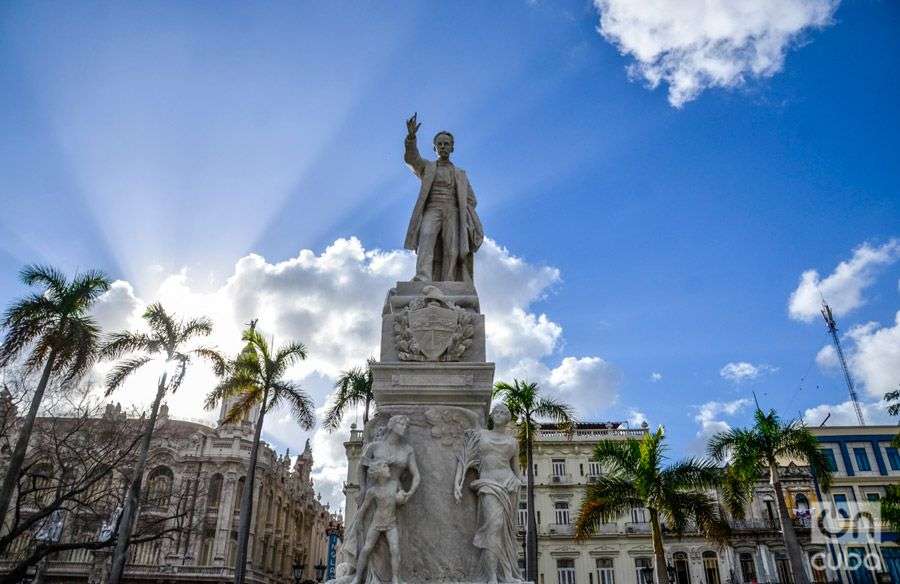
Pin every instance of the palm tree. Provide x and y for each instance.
(635, 477)
(354, 386)
(756, 450)
(255, 380)
(526, 406)
(63, 338)
(165, 343)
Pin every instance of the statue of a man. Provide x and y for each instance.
(444, 229)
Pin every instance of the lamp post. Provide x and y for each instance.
(320, 571)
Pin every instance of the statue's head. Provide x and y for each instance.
(501, 416)
(443, 144)
(398, 424)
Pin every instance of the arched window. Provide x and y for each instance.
(41, 484)
(159, 489)
(802, 504)
(748, 567)
(711, 567)
(214, 493)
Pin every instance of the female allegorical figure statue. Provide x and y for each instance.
(494, 454)
(393, 457)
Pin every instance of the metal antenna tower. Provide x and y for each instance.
(832, 329)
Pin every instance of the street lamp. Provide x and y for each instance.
(320, 571)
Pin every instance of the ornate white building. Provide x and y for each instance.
(203, 468)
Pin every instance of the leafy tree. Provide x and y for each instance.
(54, 326)
(354, 386)
(527, 406)
(255, 379)
(756, 450)
(890, 503)
(676, 495)
(165, 345)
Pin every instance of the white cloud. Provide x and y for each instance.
(332, 302)
(655, 376)
(708, 413)
(873, 356)
(843, 288)
(741, 371)
(636, 418)
(845, 415)
(692, 45)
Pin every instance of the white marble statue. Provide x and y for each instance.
(493, 454)
(444, 229)
(384, 497)
(384, 462)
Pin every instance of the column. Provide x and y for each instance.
(223, 522)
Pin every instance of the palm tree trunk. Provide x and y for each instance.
(661, 571)
(531, 564)
(240, 566)
(130, 511)
(794, 553)
(18, 456)
(366, 411)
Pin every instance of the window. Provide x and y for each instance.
(215, 492)
(682, 570)
(859, 573)
(565, 571)
(873, 497)
(862, 459)
(783, 567)
(830, 462)
(770, 510)
(593, 469)
(893, 458)
(643, 570)
(711, 567)
(606, 573)
(638, 515)
(559, 467)
(840, 504)
(815, 565)
(562, 512)
(523, 513)
(748, 568)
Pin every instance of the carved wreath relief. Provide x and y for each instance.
(432, 328)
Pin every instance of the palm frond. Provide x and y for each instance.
(692, 473)
(605, 499)
(214, 357)
(122, 343)
(300, 403)
(47, 276)
(120, 372)
(247, 400)
(162, 324)
(201, 326)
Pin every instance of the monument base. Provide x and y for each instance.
(441, 401)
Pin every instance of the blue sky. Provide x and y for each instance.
(163, 142)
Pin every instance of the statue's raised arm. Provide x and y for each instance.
(444, 230)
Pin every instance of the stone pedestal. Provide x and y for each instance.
(442, 398)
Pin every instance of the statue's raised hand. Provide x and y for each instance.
(411, 126)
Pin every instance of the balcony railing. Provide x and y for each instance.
(590, 435)
(637, 527)
(561, 529)
(560, 479)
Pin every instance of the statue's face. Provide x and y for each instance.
(399, 426)
(443, 146)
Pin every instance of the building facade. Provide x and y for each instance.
(203, 468)
(863, 463)
(621, 552)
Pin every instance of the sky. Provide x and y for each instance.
(668, 188)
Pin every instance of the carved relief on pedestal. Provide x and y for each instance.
(433, 328)
(448, 424)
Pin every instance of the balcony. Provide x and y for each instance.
(754, 525)
(637, 527)
(592, 478)
(560, 479)
(561, 529)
